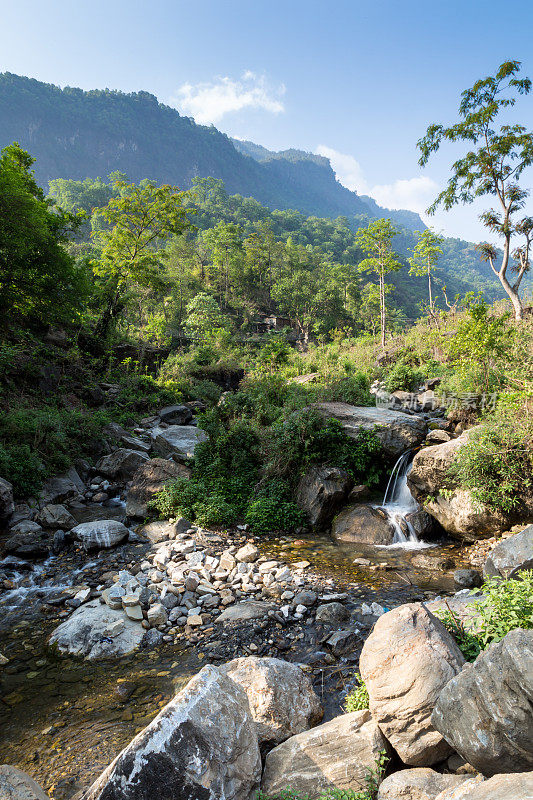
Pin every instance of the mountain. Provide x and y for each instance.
(77, 134)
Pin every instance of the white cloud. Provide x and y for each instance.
(210, 101)
(414, 194)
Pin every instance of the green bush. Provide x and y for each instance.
(403, 376)
(357, 699)
(273, 510)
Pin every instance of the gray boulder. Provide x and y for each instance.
(17, 785)
(336, 754)
(7, 504)
(511, 555)
(26, 545)
(201, 746)
(421, 783)
(405, 663)
(248, 609)
(56, 516)
(64, 487)
(320, 493)
(103, 533)
(121, 464)
(332, 614)
(362, 524)
(95, 631)
(148, 480)
(175, 415)
(486, 711)
(177, 440)
(499, 787)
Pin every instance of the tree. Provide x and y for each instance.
(424, 259)
(376, 242)
(493, 167)
(204, 320)
(138, 221)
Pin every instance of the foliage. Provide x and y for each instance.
(467, 641)
(403, 376)
(425, 258)
(357, 699)
(204, 319)
(272, 509)
(505, 605)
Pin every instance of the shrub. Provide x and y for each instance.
(273, 510)
(357, 699)
(403, 376)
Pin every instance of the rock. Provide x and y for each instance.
(177, 440)
(396, 430)
(175, 415)
(467, 578)
(362, 524)
(95, 631)
(421, 783)
(26, 545)
(59, 542)
(281, 697)
(320, 493)
(157, 615)
(26, 526)
(16, 785)
(405, 663)
(249, 609)
(103, 533)
(121, 464)
(511, 555)
(438, 436)
(332, 614)
(306, 598)
(485, 712)
(201, 746)
(134, 443)
(429, 469)
(336, 754)
(501, 787)
(247, 554)
(422, 523)
(151, 639)
(114, 431)
(56, 516)
(63, 487)
(148, 480)
(342, 642)
(7, 504)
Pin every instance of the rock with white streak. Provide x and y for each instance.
(103, 533)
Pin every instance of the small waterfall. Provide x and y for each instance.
(398, 503)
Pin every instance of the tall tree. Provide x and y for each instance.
(492, 167)
(376, 242)
(425, 258)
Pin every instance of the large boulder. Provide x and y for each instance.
(281, 697)
(486, 711)
(121, 464)
(175, 415)
(56, 516)
(320, 493)
(17, 785)
(95, 631)
(499, 787)
(511, 555)
(148, 480)
(102, 533)
(26, 545)
(336, 754)
(7, 504)
(405, 663)
(420, 783)
(362, 524)
(201, 746)
(61, 488)
(396, 430)
(246, 610)
(177, 441)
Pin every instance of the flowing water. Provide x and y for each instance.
(398, 503)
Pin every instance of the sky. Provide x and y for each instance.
(358, 82)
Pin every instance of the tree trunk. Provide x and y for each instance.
(382, 309)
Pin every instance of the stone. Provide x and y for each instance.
(405, 663)
(114, 431)
(247, 554)
(467, 578)
(157, 615)
(103, 533)
(56, 516)
(332, 614)
(121, 464)
(26, 526)
(342, 642)
(396, 431)
(511, 555)
(518, 786)
(305, 598)
(321, 492)
(134, 612)
(175, 415)
(63, 487)
(26, 545)
(420, 783)
(177, 440)
(134, 443)
(485, 712)
(7, 503)
(147, 481)
(17, 785)
(201, 746)
(95, 631)
(281, 697)
(335, 754)
(248, 609)
(438, 436)
(362, 524)
(157, 531)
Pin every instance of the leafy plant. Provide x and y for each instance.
(468, 642)
(273, 510)
(357, 699)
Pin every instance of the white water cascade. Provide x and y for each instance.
(398, 503)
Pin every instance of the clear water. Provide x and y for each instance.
(398, 503)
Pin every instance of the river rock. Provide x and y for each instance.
(26, 545)
(7, 504)
(511, 555)
(362, 524)
(247, 554)
(467, 578)
(281, 696)
(148, 480)
(157, 615)
(201, 746)
(61, 488)
(396, 430)
(320, 493)
(175, 415)
(332, 614)
(121, 464)
(102, 533)
(17, 785)
(421, 783)
(95, 631)
(336, 754)
(486, 711)
(405, 663)
(161, 530)
(56, 516)
(500, 787)
(248, 609)
(177, 440)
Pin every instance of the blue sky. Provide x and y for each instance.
(356, 81)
